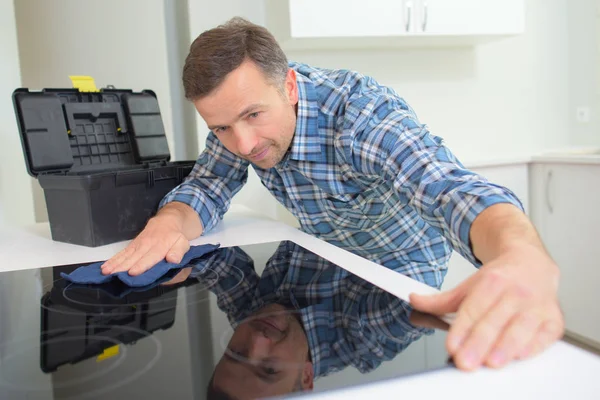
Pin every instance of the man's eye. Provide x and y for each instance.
(269, 371)
(254, 114)
(220, 129)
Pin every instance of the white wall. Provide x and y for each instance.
(120, 43)
(16, 205)
(584, 70)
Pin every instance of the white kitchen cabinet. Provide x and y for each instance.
(565, 209)
(350, 18)
(468, 17)
(309, 24)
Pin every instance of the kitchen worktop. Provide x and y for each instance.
(564, 155)
(560, 372)
(576, 155)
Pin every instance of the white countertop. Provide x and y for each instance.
(476, 163)
(561, 372)
(565, 155)
(591, 159)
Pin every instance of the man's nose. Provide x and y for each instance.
(259, 346)
(246, 141)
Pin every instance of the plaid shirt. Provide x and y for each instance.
(363, 174)
(347, 320)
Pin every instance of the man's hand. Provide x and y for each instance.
(166, 236)
(508, 309)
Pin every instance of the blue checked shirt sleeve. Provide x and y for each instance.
(216, 177)
(389, 142)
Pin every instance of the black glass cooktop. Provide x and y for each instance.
(243, 322)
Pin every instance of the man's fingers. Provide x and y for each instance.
(147, 261)
(485, 332)
(117, 259)
(143, 254)
(516, 336)
(178, 250)
(442, 303)
(127, 263)
(155, 255)
(550, 331)
(475, 305)
(437, 304)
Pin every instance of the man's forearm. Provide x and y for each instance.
(500, 228)
(184, 216)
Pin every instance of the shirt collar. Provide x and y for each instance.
(307, 143)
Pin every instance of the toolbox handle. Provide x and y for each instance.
(92, 111)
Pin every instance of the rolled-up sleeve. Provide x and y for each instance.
(392, 144)
(216, 177)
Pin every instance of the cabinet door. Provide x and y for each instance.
(567, 200)
(348, 18)
(469, 17)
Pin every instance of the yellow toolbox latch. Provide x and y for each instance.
(84, 83)
(108, 353)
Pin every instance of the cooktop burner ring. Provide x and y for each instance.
(122, 355)
(156, 303)
(26, 386)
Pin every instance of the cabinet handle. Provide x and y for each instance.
(548, 203)
(425, 15)
(409, 7)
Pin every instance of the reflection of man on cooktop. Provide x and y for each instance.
(302, 319)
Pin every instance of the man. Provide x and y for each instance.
(268, 354)
(302, 319)
(351, 160)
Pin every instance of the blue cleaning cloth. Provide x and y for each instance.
(92, 274)
(115, 289)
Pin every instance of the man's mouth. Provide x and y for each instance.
(260, 155)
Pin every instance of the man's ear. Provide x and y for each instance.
(308, 376)
(291, 87)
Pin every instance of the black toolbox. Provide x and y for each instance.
(102, 159)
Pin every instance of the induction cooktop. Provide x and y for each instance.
(252, 321)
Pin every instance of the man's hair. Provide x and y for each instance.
(219, 51)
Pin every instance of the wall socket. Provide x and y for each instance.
(583, 115)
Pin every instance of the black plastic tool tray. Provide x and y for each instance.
(102, 159)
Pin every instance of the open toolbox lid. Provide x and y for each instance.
(76, 131)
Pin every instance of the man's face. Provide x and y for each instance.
(267, 356)
(250, 116)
